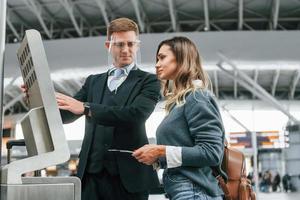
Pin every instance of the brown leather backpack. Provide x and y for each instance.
(235, 186)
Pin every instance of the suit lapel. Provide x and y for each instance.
(127, 86)
(99, 88)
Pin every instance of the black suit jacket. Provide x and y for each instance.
(122, 126)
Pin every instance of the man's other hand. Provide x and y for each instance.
(24, 89)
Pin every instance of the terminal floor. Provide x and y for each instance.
(261, 196)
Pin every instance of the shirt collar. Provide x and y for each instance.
(197, 83)
(126, 68)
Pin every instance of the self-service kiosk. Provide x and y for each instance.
(43, 134)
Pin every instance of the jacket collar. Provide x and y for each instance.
(128, 86)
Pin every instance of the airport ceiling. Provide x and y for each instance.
(83, 18)
(57, 19)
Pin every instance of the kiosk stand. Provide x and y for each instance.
(43, 134)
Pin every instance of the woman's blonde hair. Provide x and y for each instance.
(189, 69)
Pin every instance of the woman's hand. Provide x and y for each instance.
(65, 102)
(149, 153)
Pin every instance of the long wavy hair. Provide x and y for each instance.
(189, 69)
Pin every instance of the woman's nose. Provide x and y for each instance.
(157, 65)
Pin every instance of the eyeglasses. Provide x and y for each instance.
(121, 45)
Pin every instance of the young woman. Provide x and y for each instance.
(190, 138)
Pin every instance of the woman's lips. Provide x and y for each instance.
(158, 72)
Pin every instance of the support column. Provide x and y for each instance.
(2, 49)
(292, 156)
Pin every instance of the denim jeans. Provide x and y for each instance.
(179, 187)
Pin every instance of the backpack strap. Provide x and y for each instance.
(222, 184)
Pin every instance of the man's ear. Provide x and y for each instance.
(106, 44)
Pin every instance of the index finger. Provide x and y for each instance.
(60, 95)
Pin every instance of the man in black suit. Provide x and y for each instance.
(116, 105)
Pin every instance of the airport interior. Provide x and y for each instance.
(249, 48)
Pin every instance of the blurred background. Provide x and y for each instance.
(250, 49)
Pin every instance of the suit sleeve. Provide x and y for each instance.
(206, 129)
(137, 111)
(81, 95)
